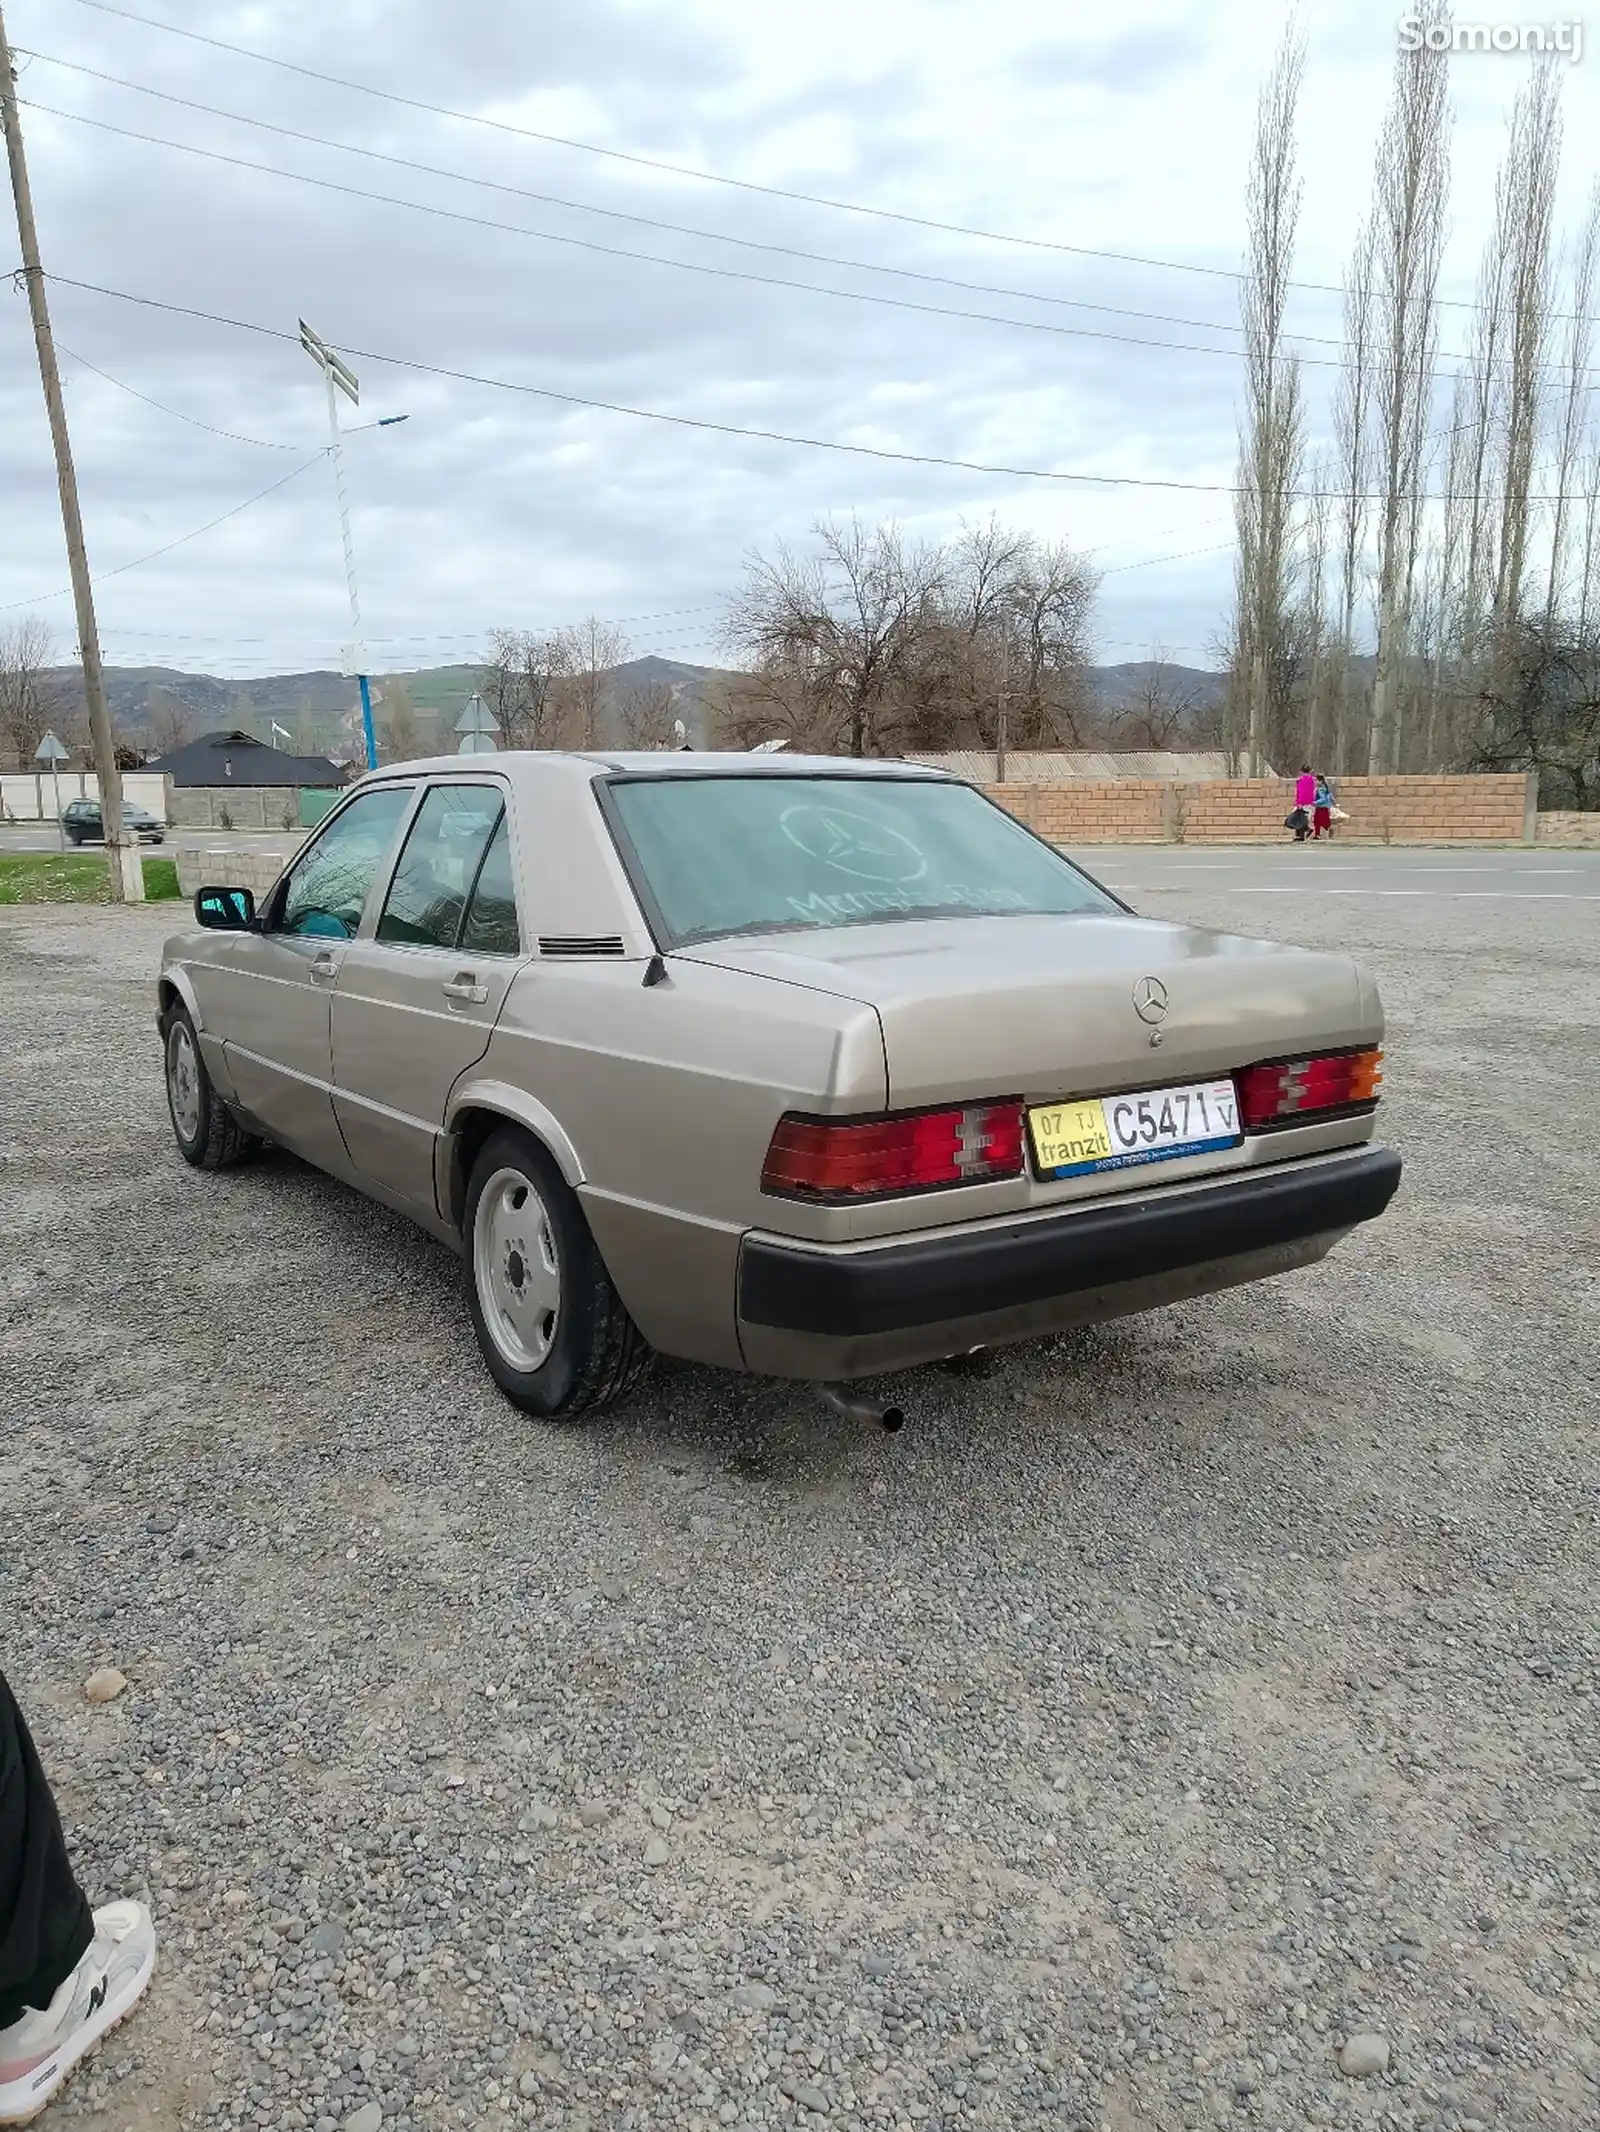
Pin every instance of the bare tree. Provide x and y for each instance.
(587, 653)
(1589, 568)
(172, 721)
(29, 698)
(647, 713)
(834, 635)
(1270, 439)
(521, 687)
(1053, 610)
(1526, 203)
(1352, 422)
(399, 734)
(1318, 633)
(872, 644)
(1447, 591)
(1576, 391)
(1162, 709)
(1410, 190)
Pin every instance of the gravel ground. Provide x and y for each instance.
(1179, 1707)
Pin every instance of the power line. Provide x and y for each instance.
(182, 541)
(676, 229)
(694, 266)
(732, 429)
(1150, 561)
(711, 177)
(616, 251)
(177, 414)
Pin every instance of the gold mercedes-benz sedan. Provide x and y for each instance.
(791, 1065)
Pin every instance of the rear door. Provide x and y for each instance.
(417, 1001)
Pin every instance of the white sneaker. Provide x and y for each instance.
(39, 2051)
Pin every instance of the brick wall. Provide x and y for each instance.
(1399, 810)
(1132, 812)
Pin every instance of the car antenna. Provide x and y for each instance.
(655, 971)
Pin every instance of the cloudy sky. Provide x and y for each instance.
(1081, 130)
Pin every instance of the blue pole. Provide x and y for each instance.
(368, 734)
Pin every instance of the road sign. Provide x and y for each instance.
(475, 718)
(330, 364)
(50, 750)
(478, 744)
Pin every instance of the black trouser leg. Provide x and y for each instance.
(45, 1923)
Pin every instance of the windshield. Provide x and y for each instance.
(720, 855)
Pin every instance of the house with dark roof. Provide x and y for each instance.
(223, 759)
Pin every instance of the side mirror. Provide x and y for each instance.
(225, 910)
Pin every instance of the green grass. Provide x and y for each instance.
(48, 878)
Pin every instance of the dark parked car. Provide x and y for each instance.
(80, 818)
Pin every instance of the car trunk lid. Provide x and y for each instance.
(1045, 1006)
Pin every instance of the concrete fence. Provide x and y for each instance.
(228, 866)
(236, 806)
(1398, 810)
(1574, 832)
(27, 796)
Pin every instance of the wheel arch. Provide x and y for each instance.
(175, 988)
(474, 1114)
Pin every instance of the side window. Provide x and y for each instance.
(327, 890)
(438, 866)
(491, 927)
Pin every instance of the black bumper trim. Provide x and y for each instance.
(854, 1294)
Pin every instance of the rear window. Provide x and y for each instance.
(720, 855)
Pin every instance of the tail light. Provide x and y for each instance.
(819, 1158)
(1291, 1090)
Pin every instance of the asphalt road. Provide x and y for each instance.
(41, 837)
(1431, 877)
(1148, 1720)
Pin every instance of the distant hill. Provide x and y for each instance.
(319, 710)
(1125, 687)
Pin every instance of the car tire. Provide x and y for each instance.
(209, 1136)
(551, 1326)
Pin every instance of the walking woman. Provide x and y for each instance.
(1305, 798)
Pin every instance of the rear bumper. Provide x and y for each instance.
(804, 1310)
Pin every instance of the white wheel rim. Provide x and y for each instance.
(516, 1269)
(183, 1081)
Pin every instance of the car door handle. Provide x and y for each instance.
(324, 967)
(467, 988)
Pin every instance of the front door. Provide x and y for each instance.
(417, 1001)
(272, 1012)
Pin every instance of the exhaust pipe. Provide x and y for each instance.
(856, 1406)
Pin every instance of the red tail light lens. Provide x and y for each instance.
(816, 1158)
(1290, 1090)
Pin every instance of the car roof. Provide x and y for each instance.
(666, 762)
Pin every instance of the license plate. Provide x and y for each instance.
(1115, 1132)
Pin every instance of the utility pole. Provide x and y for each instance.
(122, 858)
(1001, 701)
(341, 378)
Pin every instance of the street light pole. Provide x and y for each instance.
(341, 378)
(122, 859)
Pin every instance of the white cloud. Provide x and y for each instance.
(488, 507)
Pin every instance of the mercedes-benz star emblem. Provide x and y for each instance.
(1150, 1000)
